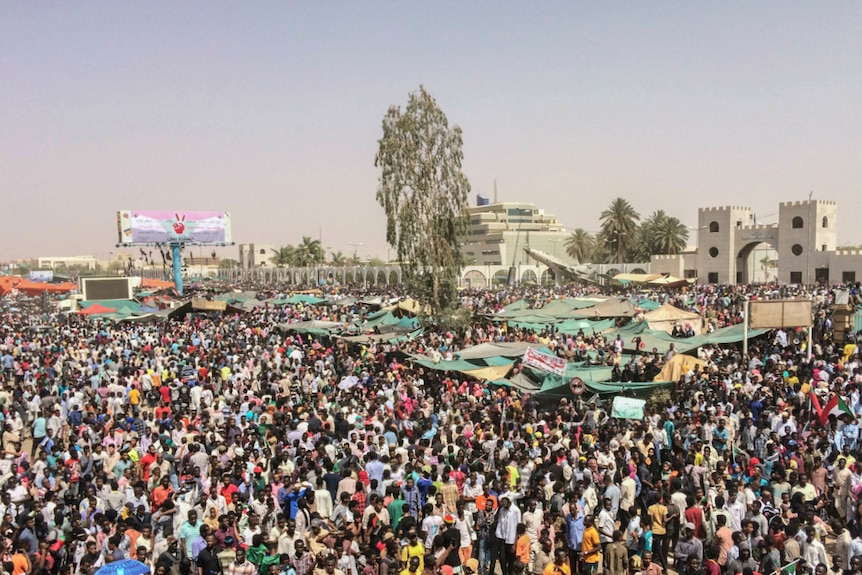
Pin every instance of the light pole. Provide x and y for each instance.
(810, 231)
(619, 235)
(355, 248)
(554, 243)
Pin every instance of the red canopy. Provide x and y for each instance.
(96, 309)
(157, 284)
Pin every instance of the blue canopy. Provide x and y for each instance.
(124, 567)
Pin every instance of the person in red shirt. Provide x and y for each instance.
(162, 493)
(694, 515)
(227, 488)
(148, 460)
(74, 466)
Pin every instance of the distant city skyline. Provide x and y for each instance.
(272, 111)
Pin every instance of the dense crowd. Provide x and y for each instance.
(226, 445)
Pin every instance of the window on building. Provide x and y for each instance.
(739, 223)
(263, 252)
(823, 248)
(713, 252)
(712, 277)
(690, 274)
(796, 277)
(796, 249)
(797, 223)
(825, 222)
(848, 277)
(714, 227)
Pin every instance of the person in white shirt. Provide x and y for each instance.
(815, 552)
(504, 537)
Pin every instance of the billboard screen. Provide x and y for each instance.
(41, 275)
(773, 314)
(106, 288)
(152, 227)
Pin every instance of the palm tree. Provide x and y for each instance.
(309, 252)
(669, 236)
(619, 224)
(642, 246)
(337, 259)
(284, 256)
(602, 252)
(579, 245)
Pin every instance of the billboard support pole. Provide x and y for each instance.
(178, 266)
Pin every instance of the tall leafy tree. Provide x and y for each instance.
(579, 245)
(619, 224)
(662, 234)
(424, 194)
(337, 259)
(670, 236)
(309, 252)
(284, 256)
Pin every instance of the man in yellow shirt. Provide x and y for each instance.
(558, 566)
(657, 513)
(591, 547)
(412, 567)
(413, 550)
(135, 400)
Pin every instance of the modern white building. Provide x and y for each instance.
(83, 262)
(499, 232)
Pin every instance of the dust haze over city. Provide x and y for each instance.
(272, 111)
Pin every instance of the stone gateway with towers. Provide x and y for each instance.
(803, 243)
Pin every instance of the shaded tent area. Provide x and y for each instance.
(298, 298)
(568, 316)
(677, 366)
(114, 309)
(596, 381)
(485, 362)
(647, 304)
(8, 283)
(626, 279)
(666, 317)
(409, 308)
(487, 369)
(395, 336)
(96, 309)
(654, 280)
(313, 327)
(660, 340)
(558, 308)
(154, 284)
(379, 320)
(614, 308)
(205, 306)
(241, 300)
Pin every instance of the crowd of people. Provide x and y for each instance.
(224, 445)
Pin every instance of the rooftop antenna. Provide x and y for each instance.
(495, 190)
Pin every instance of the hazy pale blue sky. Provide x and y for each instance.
(272, 110)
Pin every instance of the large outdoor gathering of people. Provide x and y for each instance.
(302, 436)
